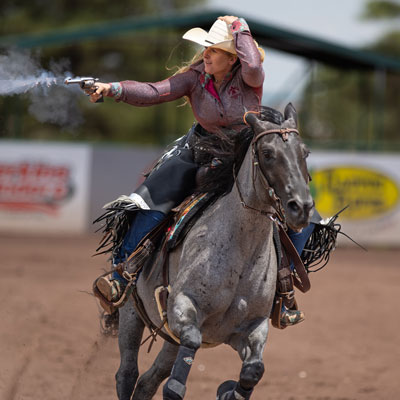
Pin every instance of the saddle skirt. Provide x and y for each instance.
(152, 251)
(186, 214)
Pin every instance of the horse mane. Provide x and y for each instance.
(230, 148)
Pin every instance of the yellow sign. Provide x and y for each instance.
(368, 193)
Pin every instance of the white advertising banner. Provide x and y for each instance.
(44, 187)
(369, 184)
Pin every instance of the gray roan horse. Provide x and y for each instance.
(223, 276)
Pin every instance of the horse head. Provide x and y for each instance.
(281, 156)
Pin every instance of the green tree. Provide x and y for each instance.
(375, 9)
(357, 109)
(143, 56)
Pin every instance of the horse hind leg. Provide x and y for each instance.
(149, 382)
(129, 337)
(251, 351)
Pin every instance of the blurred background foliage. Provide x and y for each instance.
(149, 55)
(339, 108)
(357, 109)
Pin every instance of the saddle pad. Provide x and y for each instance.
(187, 214)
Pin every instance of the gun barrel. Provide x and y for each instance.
(79, 81)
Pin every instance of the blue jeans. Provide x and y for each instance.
(143, 223)
(299, 239)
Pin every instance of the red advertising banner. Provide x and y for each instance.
(34, 186)
(44, 187)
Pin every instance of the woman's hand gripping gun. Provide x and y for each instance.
(87, 84)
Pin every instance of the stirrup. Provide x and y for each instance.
(111, 290)
(284, 315)
(291, 317)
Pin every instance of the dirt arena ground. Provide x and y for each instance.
(51, 348)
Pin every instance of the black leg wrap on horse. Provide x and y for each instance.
(175, 387)
(231, 390)
(174, 390)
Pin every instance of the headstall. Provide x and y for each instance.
(279, 214)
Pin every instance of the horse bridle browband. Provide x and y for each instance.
(284, 132)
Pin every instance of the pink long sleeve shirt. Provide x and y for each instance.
(240, 90)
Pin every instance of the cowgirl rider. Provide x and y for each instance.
(220, 83)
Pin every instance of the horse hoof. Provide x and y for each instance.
(226, 390)
(231, 390)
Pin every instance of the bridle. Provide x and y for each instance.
(278, 215)
(300, 278)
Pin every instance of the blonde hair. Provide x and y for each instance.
(260, 50)
(186, 65)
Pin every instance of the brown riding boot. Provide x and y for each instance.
(290, 317)
(111, 289)
(285, 311)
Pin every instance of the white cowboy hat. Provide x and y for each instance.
(218, 36)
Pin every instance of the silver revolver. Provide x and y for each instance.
(87, 84)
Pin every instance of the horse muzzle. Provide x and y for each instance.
(299, 212)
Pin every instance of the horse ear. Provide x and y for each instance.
(251, 117)
(290, 112)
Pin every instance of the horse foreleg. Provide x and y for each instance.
(129, 337)
(184, 322)
(250, 349)
(149, 382)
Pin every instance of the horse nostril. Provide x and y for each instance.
(308, 206)
(294, 206)
(299, 208)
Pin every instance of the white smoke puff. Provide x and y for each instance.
(16, 64)
(55, 105)
(51, 100)
(17, 71)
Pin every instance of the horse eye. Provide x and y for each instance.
(268, 153)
